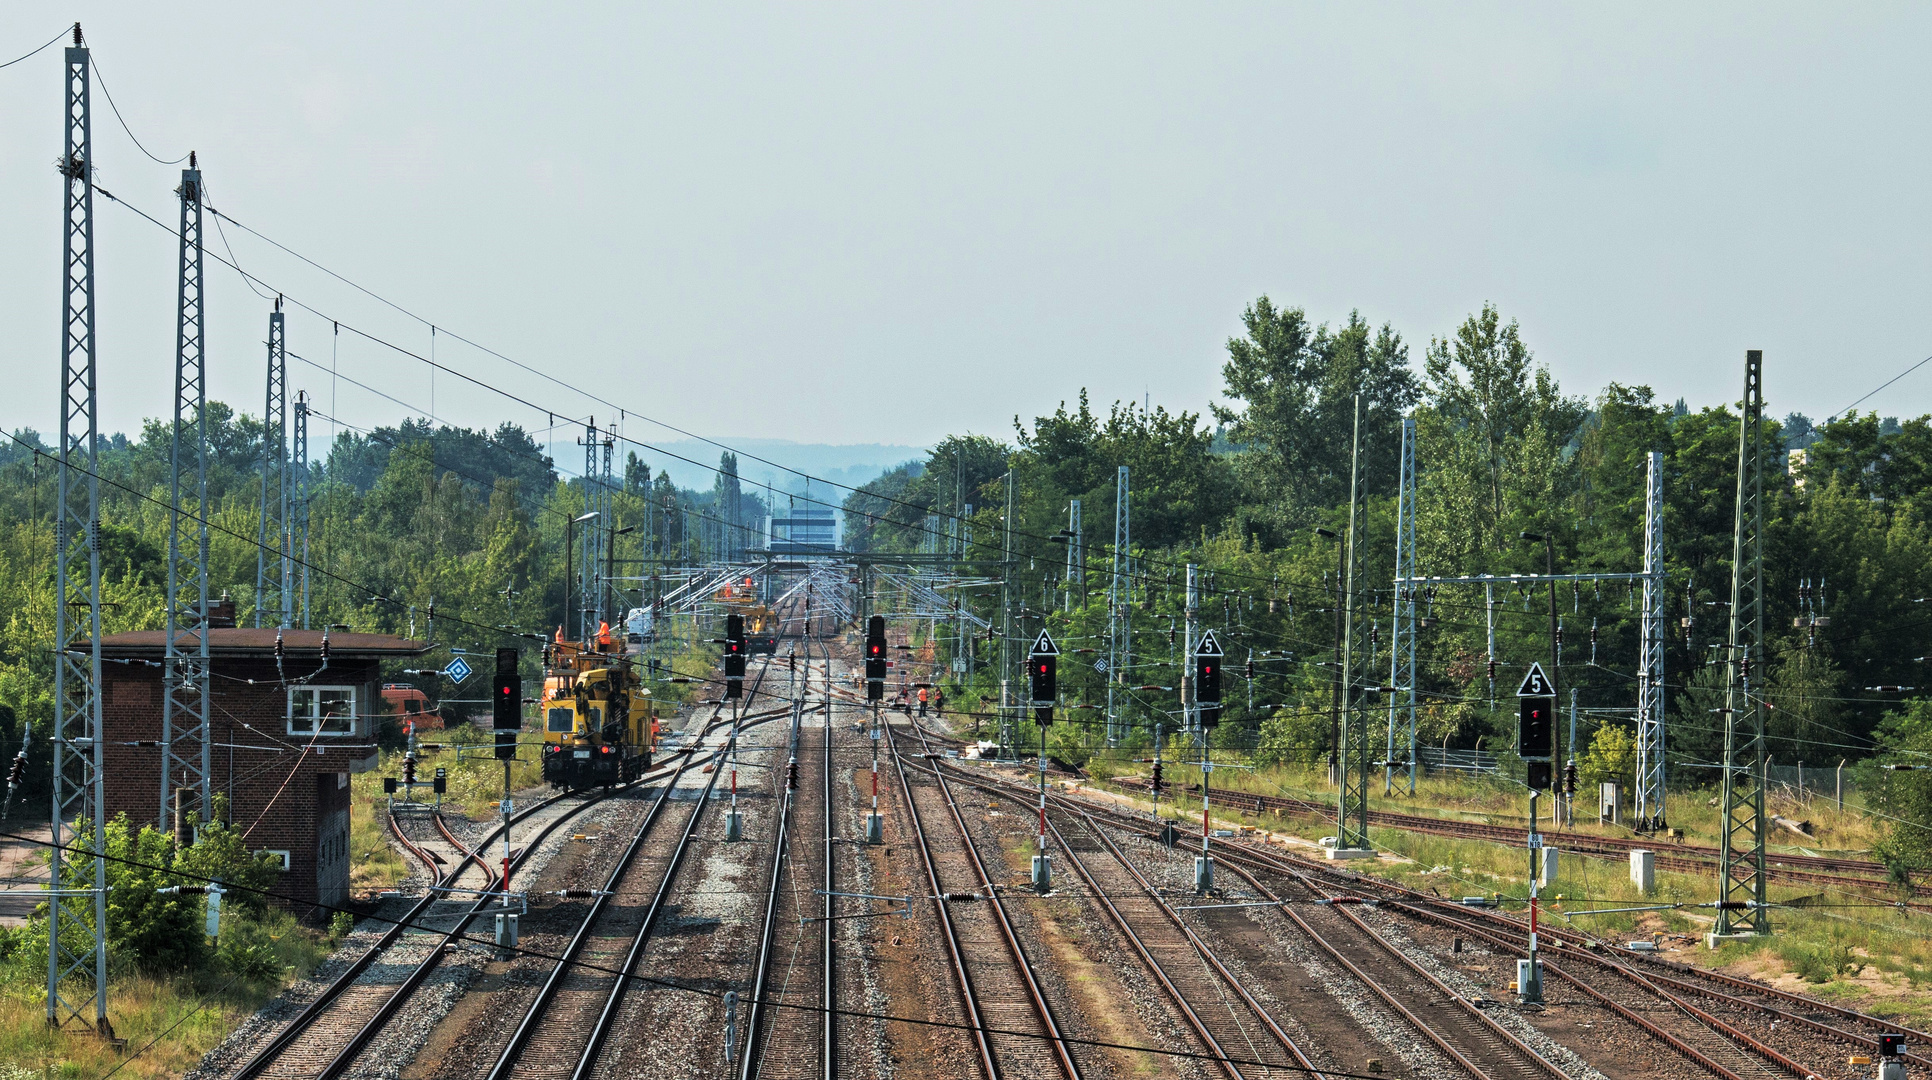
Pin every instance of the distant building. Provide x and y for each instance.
(804, 530)
(286, 733)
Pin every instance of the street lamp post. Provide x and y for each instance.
(1335, 703)
(570, 530)
(610, 557)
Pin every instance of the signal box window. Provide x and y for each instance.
(560, 720)
(322, 710)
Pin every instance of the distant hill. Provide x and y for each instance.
(850, 465)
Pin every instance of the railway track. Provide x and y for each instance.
(798, 1038)
(1639, 989)
(1800, 869)
(1471, 1040)
(567, 1024)
(327, 1036)
(1014, 1030)
(1233, 1028)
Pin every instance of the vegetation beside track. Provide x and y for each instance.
(1852, 947)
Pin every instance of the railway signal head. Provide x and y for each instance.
(734, 655)
(875, 658)
(506, 703)
(1207, 679)
(1045, 675)
(1533, 728)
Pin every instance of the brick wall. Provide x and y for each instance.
(287, 792)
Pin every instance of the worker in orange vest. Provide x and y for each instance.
(922, 703)
(939, 702)
(603, 636)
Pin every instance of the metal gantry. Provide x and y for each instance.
(271, 534)
(185, 750)
(1650, 658)
(1650, 691)
(1741, 898)
(1402, 621)
(77, 905)
(298, 530)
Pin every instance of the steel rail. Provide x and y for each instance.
(1742, 1040)
(1461, 919)
(540, 1005)
(303, 1020)
(1240, 856)
(417, 976)
(828, 944)
(1201, 947)
(311, 1013)
(1814, 869)
(955, 949)
(767, 938)
(1153, 965)
(395, 827)
(1015, 793)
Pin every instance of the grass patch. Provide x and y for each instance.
(182, 1016)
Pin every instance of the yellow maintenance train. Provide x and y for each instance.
(599, 727)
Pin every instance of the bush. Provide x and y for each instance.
(221, 855)
(1819, 963)
(1612, 758)
(1292, 736)
(341, 925)
(255, 963)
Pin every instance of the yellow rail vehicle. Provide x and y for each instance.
(599, 727)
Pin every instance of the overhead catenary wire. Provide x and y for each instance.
(377, 339)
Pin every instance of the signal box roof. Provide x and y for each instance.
(238, 641)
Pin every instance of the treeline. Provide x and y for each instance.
(403, 518)
(1500, 449)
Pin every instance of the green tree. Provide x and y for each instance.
(1292, 389)
(1612, 758)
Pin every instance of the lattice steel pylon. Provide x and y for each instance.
(77, 916)
(1352, 803)
(184, 677)
(298, 529)
(593, 549)
(606, 489)
(271, 534)
(1120, 630)
(1741, 897)
(1650, 658)
(1402, 632)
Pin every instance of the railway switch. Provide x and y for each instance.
(1529, 979)
(1042, 874)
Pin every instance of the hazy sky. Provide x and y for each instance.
(887, 222)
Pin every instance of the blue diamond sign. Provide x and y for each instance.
(458, 670)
